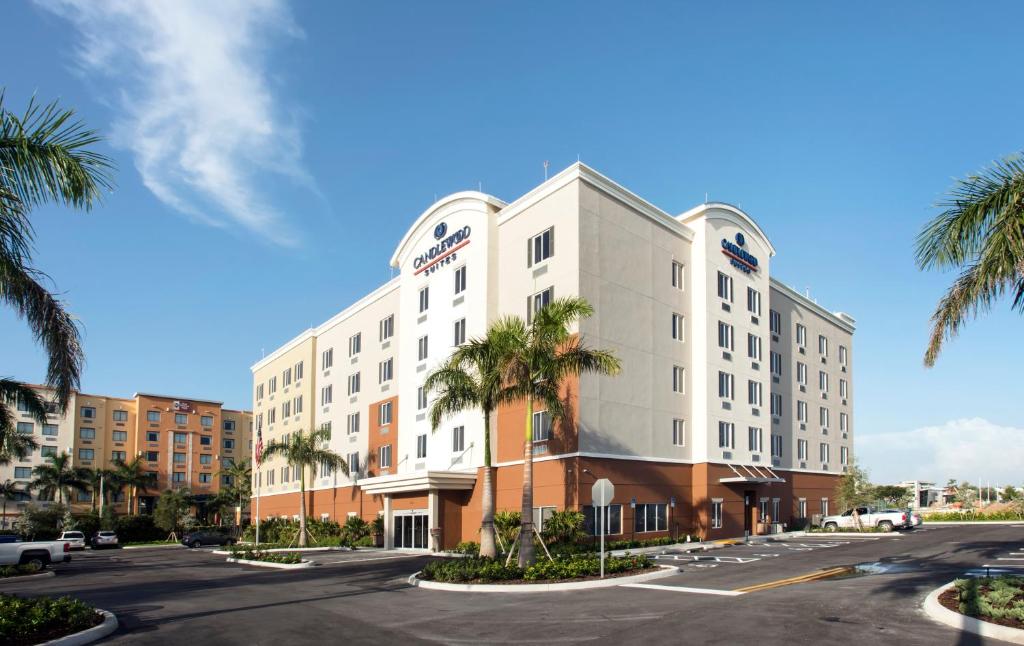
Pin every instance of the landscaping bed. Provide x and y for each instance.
(263, 556)
(580, 567)
(25, 621)
(12, 571)
(998, 600)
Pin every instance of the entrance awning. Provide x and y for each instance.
(752, 474)
(419, 481)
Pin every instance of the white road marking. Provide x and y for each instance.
(1004, 558)
(1001, 565)
(673, 588)
(376, 558)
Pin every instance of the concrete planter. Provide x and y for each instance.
(275, 566)
(662, 571)
(944, 615)
(89, 635)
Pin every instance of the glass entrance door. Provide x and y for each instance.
(411, 530)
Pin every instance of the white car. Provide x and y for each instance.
(104, 539)
(75, 539)
(869, 517)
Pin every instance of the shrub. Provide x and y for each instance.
(18, 570)
(467, 547)
(88, 523)
(40, 619)
(137, 529)
(285, 531)
(564, 527)
(506, 525)
(355, 529)
(40, 523)
(940, 516)
(572, 567)
(267, 557)
(992, 597)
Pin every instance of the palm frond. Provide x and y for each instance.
(972, 293)
(13, 392)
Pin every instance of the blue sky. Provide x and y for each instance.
(272, 154)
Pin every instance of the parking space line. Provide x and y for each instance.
(674, 588)
(1006, 558)
(376, 558)
(1001, 565)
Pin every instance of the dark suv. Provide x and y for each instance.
(207, 537)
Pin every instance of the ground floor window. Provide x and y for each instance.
(651, 517)
(824, 506)
(716, 514)
(775, 510)
(612, 520)
(541, 515)
(762, 509)
(801, 508)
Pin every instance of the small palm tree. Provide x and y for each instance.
(133, 474)
(45, 156)
(539, 358)
(981, 234)
(471, 378)
(240, 488)
(306, 451)
(13, 394)
(59, 477)
(9, 490)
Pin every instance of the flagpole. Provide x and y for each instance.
(258, 479)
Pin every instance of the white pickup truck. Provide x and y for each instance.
(884, 520)
(40, 553)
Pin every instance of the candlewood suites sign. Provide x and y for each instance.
(442, 253)
(739, 257)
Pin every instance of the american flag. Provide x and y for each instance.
(259, 447)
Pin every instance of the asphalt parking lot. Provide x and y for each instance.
(179, 595)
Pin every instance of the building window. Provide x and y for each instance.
(298, 371)
(206, 421)
(421, 446)
(327, 359)
(801, 449)
(716, 514)
(726, 435)
(22, 405)
(28, 428)
(272, 385)
(120, 416)
(612, 520)
(326, 397)
(844, 455)
(458, 439)
(725, 336)
(83, 433)
(423, 348)
(272, 413)
(353, 463)
(152, 436)
(286, 410)
(179, 458)
(88, 412)
(677, 275)
(753, 301)
(180, 419)
(843, 422)
(842, 355)
(424, 299)
(822, 345)
(678, 327)
(774, 322)
(724, 287)
(286, 377)
(801, 508)
(297, 405)
(678, 432)
(776, 363)
(754, 393)
(385, 371)
(842, 388)
(754, 439)
(801, 335)
(823, 381)
(205, 477)
(651, 518)
(537, 302)
(385, 456)
(206, 440)
(50, 430)
(823, 452)
(229, 444)
(776, 404)
(801, 373)
(540, 247)
(119, 436)
(823, 416)
(24, 473)
(352, 423)
(47, 451)
(824, 506)
(355, 344)
(387, 328)
(801, 411)
(229, 424)
(725, 385)
(753, 347)
(384, 414)
(460, 280)
(353, 383)
(678, 379)
(205, 458)
(153, 416)
(85, 454)
(460, 332)
(421, 398)
(83, 496)
(541, 426)
(776, 446)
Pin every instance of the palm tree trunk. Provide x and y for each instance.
(5, 513)
(526, 520)
(302, 506)
(487, 548)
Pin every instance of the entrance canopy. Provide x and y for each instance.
(751, 474)
(419, 481)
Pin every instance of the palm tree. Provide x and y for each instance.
(981, 234)
(471, 378)
(240, 488)
(13, 394)
(134, 475)
(101, 481)
(9, 489)
(45, 156)
(58, 476)
(540, 357)
(305, 451)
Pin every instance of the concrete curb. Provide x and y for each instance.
(944, 615)
(892, 534)
(972, 522)
(89, 635)
(294, 549)
(665, 570)
(26, 577)
(151, 547)
(276, 566)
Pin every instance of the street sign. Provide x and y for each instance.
(602, 492)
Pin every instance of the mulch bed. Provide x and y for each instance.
(950, 599)
(45, 635)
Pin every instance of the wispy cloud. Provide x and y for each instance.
(197, 110)
(965, 449)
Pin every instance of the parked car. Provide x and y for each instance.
(207, 537)
(76, 539)
(104, 539)
(39, 553)
(885, 520)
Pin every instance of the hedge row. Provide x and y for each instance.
(484, 570)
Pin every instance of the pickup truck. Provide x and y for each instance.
(41, 553)
(884, 520)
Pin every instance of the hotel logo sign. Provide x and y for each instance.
(739, 257)
(442, 253)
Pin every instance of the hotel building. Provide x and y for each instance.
(185, 442)
(733, 408)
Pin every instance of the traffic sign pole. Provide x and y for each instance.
(601, 495)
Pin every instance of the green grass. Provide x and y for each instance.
(35, 620)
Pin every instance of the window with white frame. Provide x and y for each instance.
(776, 404)
(822, 345)
(677, 275)
(823, 381)
(801, 373)
(422, 348)
(824, 506)
(298, 371)
(678, 379)
(384, 413)
(387, 328)
(801, 335)
(352, 423)
(612, 520)
(725, 336)
(326, 470)
(286, 410)
(844, 455)
(725, 385)
(424, 299)
(755, 439)
(754, 393)
(678, 327)
(384, 456)
(774, 322)
(541, 426)
(801, 411)
(716, 514)
(540, 247)
(725, 287)
(286, 377)
(753, 347)
(842, 388)
(753, 301)
(726, 435)
(801, 508)
(776, 446)
(775, 360)
(421, 446)
(651, 517)
(458, 439)
(460, 280)
(272, 413)
(150, 414)
(355, 344)
(823, 416)
(537, 302)
(272, 385)
(421, 398)
(823, 452)
(353, 463)
(385, 371)
(326, 397)
(354, 383)
(842, 355)
(801, 449)
(326, 361)
(679, 432)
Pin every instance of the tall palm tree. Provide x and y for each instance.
(981, 234)
(240, 488)
(101, 481)
(9, 489)
(540, 357)
(471, 378)
(306, 451)
(133, 474)
(45, 156)
(12, 395)
(58, 476)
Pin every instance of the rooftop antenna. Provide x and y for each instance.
(577, 158)
(263, 353)
(545, 170)
(705, 197)
(480, 186)
(807, 292)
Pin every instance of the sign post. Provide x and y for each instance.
(602, 494)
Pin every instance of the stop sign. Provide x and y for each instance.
(602, 492)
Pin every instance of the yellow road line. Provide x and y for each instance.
(804, 578)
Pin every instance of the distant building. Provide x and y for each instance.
(926, 494)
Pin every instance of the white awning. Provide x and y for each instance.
(751, 473)
(419, 481)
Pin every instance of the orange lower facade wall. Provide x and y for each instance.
(565, 483)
